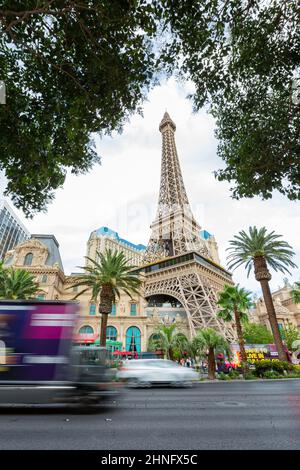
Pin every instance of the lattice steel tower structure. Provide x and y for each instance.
(178, 261)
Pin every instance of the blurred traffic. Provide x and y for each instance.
(148, 372)
(39, 363)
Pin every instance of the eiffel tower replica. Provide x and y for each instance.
(178, 262)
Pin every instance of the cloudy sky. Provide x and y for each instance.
(122, 192)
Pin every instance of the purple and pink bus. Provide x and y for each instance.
(38, 362)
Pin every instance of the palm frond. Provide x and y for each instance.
(112, 271)
(258, 242)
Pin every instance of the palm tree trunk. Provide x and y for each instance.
(105, 306)
(240, 339)
(211, 364)
(273, 320)
(103, 329)
(263, 275)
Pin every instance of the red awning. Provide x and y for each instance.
(124, 353)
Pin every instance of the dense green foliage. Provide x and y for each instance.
(209, 338)
(243, 57)
(255, 333)
(209, 342)
(267, 365)
(170, 340)
(295, 292)
(17, 284)
(73, 69)
(289, 334)
(234, 298)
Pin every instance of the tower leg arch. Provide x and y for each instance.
(198, 298)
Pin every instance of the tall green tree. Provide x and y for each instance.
(295, 293)
(106, 279)
(191, 348)
(243, 57)
(260, 250)
(71, 69)
(289, 334)
(255, 333)
(169, 339)
(210, 341)
(234, 303)
(17, 284)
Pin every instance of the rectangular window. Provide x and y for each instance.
(133, 309)
(41, 297)
(113, 309)
(92, 309)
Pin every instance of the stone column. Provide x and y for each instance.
(122, 338)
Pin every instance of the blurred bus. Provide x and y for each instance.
(38, 363)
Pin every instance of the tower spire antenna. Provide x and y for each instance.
(166, 121)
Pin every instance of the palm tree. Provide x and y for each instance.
(169, 338)
(107, 279)
(260, 249)
(210, 340)
(295, 293)
(235, 303)
(17, 284)
(190, 348)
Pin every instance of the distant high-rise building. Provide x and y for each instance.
(12, 231)
(104, 238)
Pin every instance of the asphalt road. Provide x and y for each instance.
(230, 415)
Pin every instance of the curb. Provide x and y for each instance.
(243, 380)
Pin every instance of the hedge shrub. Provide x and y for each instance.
(272, 365)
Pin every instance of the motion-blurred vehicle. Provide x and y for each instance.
(38, 362)
(148, 372)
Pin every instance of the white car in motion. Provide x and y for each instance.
(148, 372)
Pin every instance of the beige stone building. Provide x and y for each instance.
(287, 312)
(132, 321)
(104, 238)
(180, 268)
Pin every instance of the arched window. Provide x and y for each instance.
(153, 342)
(111, 333)
(86, 330)
(28, 259)
(154, 337)
(44, 278)
(133, 339)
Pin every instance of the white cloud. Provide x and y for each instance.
(122, 192)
